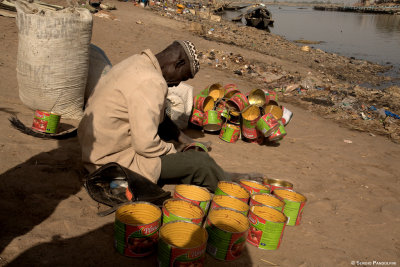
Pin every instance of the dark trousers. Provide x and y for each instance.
(191, 167)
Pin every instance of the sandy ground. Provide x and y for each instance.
(47, 218)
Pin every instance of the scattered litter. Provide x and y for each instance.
(348, 141)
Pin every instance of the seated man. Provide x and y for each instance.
(124, 119)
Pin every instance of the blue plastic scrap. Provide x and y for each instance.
(387, 112)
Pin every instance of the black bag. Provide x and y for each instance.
(98, 187)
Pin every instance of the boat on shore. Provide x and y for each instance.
(257, 16)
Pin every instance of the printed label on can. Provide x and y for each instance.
(170, 217)
(204, 205)
(254, 190)
(180, 257)
(136, 241)
(293, 210)
(229, 134)
(224, 245)
(197, 117)
(264, 234)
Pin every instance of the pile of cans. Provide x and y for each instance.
(194, 222)
(253, 117)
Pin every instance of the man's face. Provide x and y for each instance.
(178, 68)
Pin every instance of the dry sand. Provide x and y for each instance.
(351, 179)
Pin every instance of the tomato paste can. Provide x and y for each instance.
(278, 134)
(294, 205)
(203, 103)
(212, 121)
(256, 97)
(175, 209)
(266, 227)
(196, 194)
(258, 140)
(136, 229)
(277, 183)
(267, 124)
(240, 100)
(226, 188)
(250, 117)
(264, 199)
(216, 91)
(229, 202)
(230, 90)
(287, 115)
(254, 186)
(181, 243)
(276, 111)
(222, 108)
(227, 231)
(197, 117)
(46, 122)
(229, 132)
(196, 146)
(270, 96)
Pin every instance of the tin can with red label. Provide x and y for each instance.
(278, 134)
(277, 183)
(46, 122)
(240, 101)
(270, 96)
(250, 117)
(256, 97)
(181, 243)
(254, 186)
(294, 205)
(197, 117)
(216, 91)
(136, 229)
(230, 90)
(267, 124)
(203, 103)
(196, 194)
(227, 230)
(229, 133)
(266, 227)
(196, 146)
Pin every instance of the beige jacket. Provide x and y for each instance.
(122, 117)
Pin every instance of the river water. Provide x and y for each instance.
(373, 37)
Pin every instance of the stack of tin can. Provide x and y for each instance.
(254, 117)
(194, 222)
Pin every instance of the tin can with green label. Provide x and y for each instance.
(278, 134)
(196, 194)
(227, 230)
(181, 243)
(254, 186)
(267, 124)
(240, 100)
(136, 229)
(266, 227)
(46, 122)
(212, 121)
(264, 199)
(226, 188)
(181, 210)
(294, 205)
(231, 203)
(229, 133)
(196, 146)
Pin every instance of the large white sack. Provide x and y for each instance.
(179, 104)
(53, 58)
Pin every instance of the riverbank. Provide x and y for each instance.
(327, 83)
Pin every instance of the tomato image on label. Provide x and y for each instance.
(142, 245)
(254, 235)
